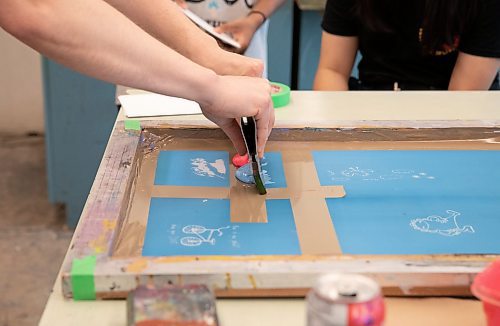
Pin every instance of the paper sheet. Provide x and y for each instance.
(151, 105)
(209, 29)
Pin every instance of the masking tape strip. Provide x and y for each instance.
(315, 228)
(280, 94)
(82, 278)
(246, 205)
(132, 125)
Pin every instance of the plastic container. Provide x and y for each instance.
(486, 287)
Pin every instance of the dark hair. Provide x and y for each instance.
(442, 20)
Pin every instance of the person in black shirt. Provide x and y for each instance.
(410, 45)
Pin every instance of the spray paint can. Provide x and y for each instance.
(345, 300)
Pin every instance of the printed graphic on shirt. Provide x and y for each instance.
(216, 12)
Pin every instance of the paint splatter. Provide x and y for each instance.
(219, 166)
(202, 168)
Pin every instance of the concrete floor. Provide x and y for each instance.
(33, 236)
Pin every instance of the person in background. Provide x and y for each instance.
(149, 45)
(245, 20)
(410, 45)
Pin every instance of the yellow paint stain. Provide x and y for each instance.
(137, 266)
(99, 244)
(251, 278)
(108, 224)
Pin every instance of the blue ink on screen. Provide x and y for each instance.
(416, 173)
(193, 168)
(416, 225)
(197, 227)
(414, 202)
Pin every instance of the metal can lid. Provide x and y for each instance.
(346, 288)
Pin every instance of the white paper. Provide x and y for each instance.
(153, 105)
(210, 29)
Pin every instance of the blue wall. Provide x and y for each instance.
(79, 116)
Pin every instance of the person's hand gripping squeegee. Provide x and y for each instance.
(249, 130)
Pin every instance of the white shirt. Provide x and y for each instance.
(216, 12)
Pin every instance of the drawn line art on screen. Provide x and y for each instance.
(198, 238)
(446, 226)
(371, 175)
(356, 171)
(202, 168)
(422, 175)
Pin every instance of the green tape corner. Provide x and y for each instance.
(132, 125)
(82, 278)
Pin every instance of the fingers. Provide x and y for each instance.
(256, 68)
(224, 28)
(265, 121)
(233, 131)
(271, 120)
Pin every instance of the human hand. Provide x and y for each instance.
(228, 63)
(181, 3)
(232, 97)
(242, 30)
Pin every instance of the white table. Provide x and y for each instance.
(342, 109)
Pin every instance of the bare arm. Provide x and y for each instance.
(164, 20)
(335, 63)
(473, 73)
(93, 38)
(244, 28)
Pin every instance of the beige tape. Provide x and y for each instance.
(315, 229)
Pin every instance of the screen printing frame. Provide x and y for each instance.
(259, 276)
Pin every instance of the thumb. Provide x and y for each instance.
(224, 28)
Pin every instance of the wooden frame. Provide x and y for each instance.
(110, 197)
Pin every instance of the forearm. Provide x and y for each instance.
(473, 72)
(268, 7)
(108, 47)
(335, 62)
(165, 21)
(330, 80)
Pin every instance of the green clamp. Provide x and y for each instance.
(82, 278)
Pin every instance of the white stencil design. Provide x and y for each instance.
(446, 226)
(371, 175)
(201, 167)
(356, 171)
(200, 235)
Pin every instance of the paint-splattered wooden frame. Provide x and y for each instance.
(109, 200)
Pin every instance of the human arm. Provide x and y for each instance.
(473, 72)
(93, 38)
(244, 28)
(165, 21)
(337, 57)
(479, 50)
